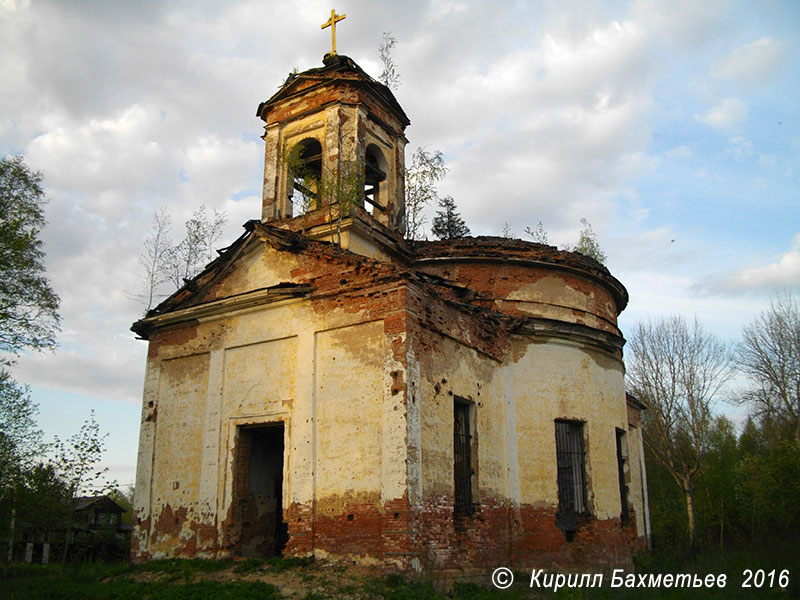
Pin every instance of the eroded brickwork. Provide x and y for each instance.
(300, 392)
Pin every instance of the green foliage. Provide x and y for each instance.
(396, 587)
(717, 502)
(422, 174)
(164, 262)
(587, 244)
(539, 235)
(191, 254)
(42, 498)
(251, 565)
(125, 499)
(389, 76)
(65, 588)
(338, 190)
(448, 224)
(747, 493)
(76, 463)
(181, 566)
(676, 371)
(300, 172)
(279, 564)
(77, 460)
(20, 436)
(28, 305)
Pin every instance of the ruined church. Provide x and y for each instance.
(326, 388)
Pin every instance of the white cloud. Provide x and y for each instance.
(679, 152)
(782, 272)
(753, 63)
(545, 110)
(725, 114)
(682, 22)
(740, 148)
(555, 128)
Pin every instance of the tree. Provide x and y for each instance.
(28, 305)
(448, 224)
(770, 355)
(20, 436)
(389, 76)
(164, 262)
(539, 235)
(427, 167)
(20, 444)
(186, 259)
(587, 244)
(155, 257)
(717, 480)
(40, 501)
(76, 463)
(677, 371)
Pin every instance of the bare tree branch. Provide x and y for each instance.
(677, 371)
(769, 355)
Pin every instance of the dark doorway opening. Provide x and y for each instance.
(259, 491)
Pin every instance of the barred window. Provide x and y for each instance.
(462, 458)
(571, 460)
(622, 458)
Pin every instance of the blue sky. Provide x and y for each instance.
(672, 126)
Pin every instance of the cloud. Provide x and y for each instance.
(555, 127)
(682, 23)
(113, 370)
(544, 110)
(782, 272)
(679, 152)
(740, 148)
(753, 63)
(725, 114)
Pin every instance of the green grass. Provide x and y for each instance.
(189, 580)
(65, 589)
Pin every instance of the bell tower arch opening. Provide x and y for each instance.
(345, 123)
(376, 181)
(304, 172)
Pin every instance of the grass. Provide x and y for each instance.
(255, 578)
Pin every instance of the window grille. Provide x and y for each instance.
(571, 459)
(462, 459)
(623, 487)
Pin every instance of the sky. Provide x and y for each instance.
(671, 126)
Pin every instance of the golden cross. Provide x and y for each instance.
(332, 24)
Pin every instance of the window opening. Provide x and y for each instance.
(375, 174)
(622, 459)
(305, 172)
(571, 462)
(462, 459)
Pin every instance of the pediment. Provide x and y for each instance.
(266, 264)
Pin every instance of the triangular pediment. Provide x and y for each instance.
(266, 264)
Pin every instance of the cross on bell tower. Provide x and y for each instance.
(332, 24)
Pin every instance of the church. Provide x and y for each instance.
(327, 388)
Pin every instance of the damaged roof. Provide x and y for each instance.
(192, 300)
(337, 69)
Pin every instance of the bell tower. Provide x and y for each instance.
(334, 144)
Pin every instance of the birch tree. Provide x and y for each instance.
(770, 355)
(677, 370)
